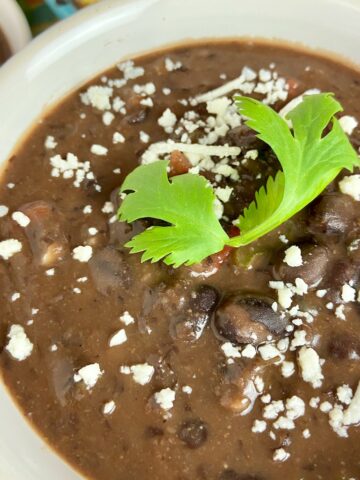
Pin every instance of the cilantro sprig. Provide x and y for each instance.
(310, 159)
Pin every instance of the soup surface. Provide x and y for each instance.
(4, 48)
(135, 370)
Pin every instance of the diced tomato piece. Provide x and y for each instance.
(179, 163)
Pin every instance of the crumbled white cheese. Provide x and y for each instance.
(126, 318)
(21, 219)
(351, 186)
(87, 209)
(170, 65)
(348, 293)
(19, 345)
(272, 410)
(321, 293)
(50, 142)
(118, 338)
(108, 118)
(249, 351)
(99, 150)
(285, 294)
(336, 421)
(98, 97)
(50, 272)
(89, 374)
(108, 208)
(165, 398)
(348, 124)
(299, 339)
(259, 426)
(309, 362)
(269, 352)
(109, 407)
(82, 253)
(314, 402)
(118, 138)
(187, 389)
(8, 248)
(70, 167)
(293, 256)
(230, 351)
(129, 70)
(92, 231)
(339, 312)
(142, 373)
(15, 296)
(344, 394)
(166, 91)
(144, 137)
(167, 120)
(287, 369)
(284, 423)
(4, 210)
(223, 194)
(325, 407)
(147, 89)
(280, 455)
(295, 407)
(306, 433)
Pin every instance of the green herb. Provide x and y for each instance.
(310, 160)
(187, 203)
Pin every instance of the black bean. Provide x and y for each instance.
(331, 214)
(189, 324)
(343, 271)
(247, 319)
(110, 271)
(205, 299)
(193, 433)
(245, 138)
(316, 260)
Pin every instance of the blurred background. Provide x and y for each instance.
(21, 20)
(42, 13)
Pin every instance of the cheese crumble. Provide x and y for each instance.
(82, 253)
(89, 374)
(10, 247)
(19, 345)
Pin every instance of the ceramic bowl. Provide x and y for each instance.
(79, 48)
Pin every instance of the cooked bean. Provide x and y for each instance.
(193, 433)
(316, 259)
(332, 214)
(190, 323)
(45, 233)
(343, 271)
(245, 138)
(247, 319)
(110, 271)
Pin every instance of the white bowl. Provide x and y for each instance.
(14, 25)
(77, 49)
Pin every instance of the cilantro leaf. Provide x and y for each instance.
(310, 157)
(186, 203)
(309, 160)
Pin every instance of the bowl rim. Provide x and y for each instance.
(19, 64)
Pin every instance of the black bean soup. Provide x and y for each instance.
(243, 367)
(5, 51)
